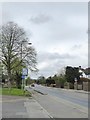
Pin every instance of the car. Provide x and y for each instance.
(32, 85)
(54, 85)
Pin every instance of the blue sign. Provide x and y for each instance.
(24, 72)
(23, 77)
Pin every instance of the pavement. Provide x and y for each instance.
(35, 110)
(22, 107)
(78, 91)
(13, 107)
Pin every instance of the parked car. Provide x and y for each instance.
(53, 85)
(32, 85)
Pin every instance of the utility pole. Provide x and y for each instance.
(23, 82)
(21, 65)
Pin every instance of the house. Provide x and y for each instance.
(85, 73)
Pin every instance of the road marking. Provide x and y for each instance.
(44, 109)
(68, 103)
(71, 104)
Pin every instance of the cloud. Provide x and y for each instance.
(59, 32)
(6, 17)
(47, 56)
(40, 19)
(75, 47)
(52, 61)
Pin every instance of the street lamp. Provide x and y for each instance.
(24, 41)
(24, 82)
(30, 43)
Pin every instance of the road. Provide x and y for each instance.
(61, 103)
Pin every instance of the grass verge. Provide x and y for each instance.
(14, 92)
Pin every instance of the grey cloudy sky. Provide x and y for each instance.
(58, 31)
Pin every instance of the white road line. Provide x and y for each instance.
(68, 103)
(44, 109)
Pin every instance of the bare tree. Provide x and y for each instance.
(61, 72)
(14, 45)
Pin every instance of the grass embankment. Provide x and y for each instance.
(14, 92)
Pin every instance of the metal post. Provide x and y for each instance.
(21, 65)
(23, 82)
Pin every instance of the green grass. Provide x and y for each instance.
(0, 91)
(14, 92)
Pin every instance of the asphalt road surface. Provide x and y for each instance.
(61, 103)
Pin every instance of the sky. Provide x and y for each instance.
(58, 31)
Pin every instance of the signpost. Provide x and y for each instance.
(24, 73)
(23, 77)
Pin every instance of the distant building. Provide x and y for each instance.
(85, 73)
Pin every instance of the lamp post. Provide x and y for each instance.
(27, 67)
(21, 59)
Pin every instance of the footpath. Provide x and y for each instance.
(21, 107)
(78, 91)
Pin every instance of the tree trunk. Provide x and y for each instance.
(9, 79)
